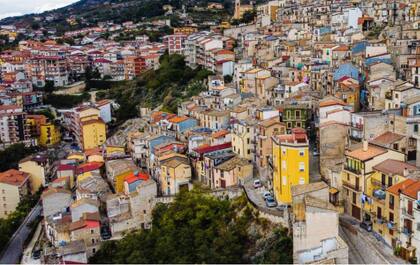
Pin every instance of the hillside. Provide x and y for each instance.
(87, 13)
(199, 228)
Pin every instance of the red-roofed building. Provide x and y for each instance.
(88, 167)
(14, 185)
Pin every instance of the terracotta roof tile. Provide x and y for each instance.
(371, 152)
(391, 166)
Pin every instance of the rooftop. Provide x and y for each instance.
(14, 177)
(363, 155)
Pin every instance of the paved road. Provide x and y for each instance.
(27, 253)
(385, 252)
(14, 249)
(354, 254)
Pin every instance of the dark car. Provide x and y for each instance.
(270, 202)
(105, 233)
(367, 225)
(36, 254)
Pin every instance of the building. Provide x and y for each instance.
(356, 172)
(87, 126)
(13, 125)
(14, 185)
(232, 172)
(315, 227)
(38, 167)
(175, 175)
(296, 116)
(49, 135)
(117, 171)
(290, 163)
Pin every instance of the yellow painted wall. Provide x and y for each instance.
(94, 135)
(49, 135)
(119, 181)
(286, 172)
(36, 174)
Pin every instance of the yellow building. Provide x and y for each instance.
(381, 188)
(290, 163)
(175, 175)
(49, 135)
(87, 126)
(243, 139)
(94, 133)
(37, 167)
(117, 171)
(357, 174)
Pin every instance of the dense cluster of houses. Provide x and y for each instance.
(306, 79)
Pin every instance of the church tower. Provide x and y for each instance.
(237, 14)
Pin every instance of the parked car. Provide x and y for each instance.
(367, 225)
(270, 202)
(282, 207)
(36, 254)
(257, 184)
(105, 233)
(266, 194)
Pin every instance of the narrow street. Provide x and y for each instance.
(365, 242)
(14, 250)
(27, 254)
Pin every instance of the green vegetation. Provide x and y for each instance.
(199, 228)
(65, 101)
(9, 225)
(10, 157)
(248, 17)
(168, 86)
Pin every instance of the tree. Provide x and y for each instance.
(10, 157)
(227, 79)
(196, 228)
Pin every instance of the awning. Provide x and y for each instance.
(333, 190)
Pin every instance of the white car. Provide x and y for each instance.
(257, 184)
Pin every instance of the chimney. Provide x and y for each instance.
(405, 172)
(365, 145)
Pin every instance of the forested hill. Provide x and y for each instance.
(90, 12)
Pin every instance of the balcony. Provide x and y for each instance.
(378, 184)
(406, 231)
(351, 186)
(379, 195)
(353, 170)
(357, 126)
(407, 213)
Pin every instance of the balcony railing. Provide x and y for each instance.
(407, 213)
(353, 170)
(351, 186)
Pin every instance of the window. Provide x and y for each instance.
(301, 180)
(93, 241)
(144, 211)
(416, 128)
(93, 250)
(91, 231)
(301, 166)
(284, 180)
(283, 164)
(391, 217)
(391, 202)
(302, 152)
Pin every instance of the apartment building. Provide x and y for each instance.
(290, 163)
(14, 185)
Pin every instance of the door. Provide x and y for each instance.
(357, 184)
(355, 212)
(223, 183)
